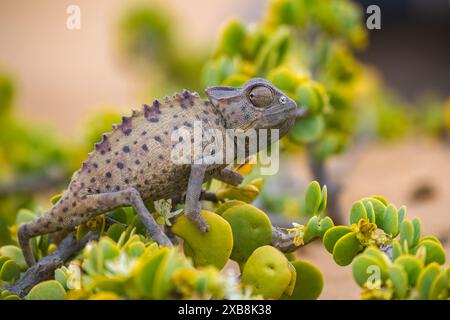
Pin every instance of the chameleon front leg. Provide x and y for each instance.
(192, 205)
(229, 176)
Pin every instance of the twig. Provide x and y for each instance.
(45, 268)
(35, 182)
(283, 241)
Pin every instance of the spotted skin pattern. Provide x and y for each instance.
(132, 163)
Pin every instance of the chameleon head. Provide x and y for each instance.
(258, 104)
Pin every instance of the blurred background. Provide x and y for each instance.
(388, 89)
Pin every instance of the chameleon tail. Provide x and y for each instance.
(39, 226)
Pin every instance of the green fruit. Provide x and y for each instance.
(226, 205)
(346, 248)
(251, 229)
(267, 271)
(333, 235)
(309, 282)
(47, 290)
(206, 248)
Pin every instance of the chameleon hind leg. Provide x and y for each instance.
(130, 197)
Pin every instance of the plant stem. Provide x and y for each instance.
(45, 268)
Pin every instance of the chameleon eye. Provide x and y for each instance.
(261, 97)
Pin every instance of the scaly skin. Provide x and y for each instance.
(132, 163)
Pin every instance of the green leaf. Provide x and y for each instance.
(407, 233)
(381, 258)
(145, 272)
(313, 198)
(232, 38)
(307, 129)
(357, 212)
(10, 271)
(323, 202)
(390, 222)
(381, 199)
(47, 290)
(417, 231)
(333, 235)
(412, 266)
(370, 211)
(15, 254)
(396, 250)
(228, 204)
(434, 251)
(325, 224)
(401, 215)
(439, 287)
(363, 267)
(311, 229)
(115, 231)
(346, 248)
(309, 282)
(25, 215)
(399, 279)
(426, 279)
(378, 208)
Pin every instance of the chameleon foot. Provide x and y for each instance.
(199, 221)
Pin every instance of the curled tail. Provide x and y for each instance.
(47, 223)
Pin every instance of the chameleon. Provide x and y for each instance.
(132, 163)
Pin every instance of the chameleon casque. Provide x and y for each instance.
(132, 163)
